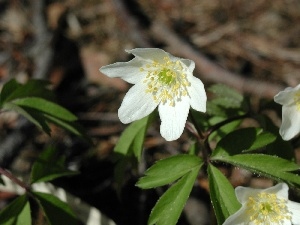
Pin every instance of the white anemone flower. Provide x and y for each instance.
(290, 101)
(160, 80)
(265, 207)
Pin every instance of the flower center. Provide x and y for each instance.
(297, 100)
(267, 208)
(166, 81)
(165, 76)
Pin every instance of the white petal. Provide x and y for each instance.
(239, 218)
(149, 54)
(197, 94)
(136, 104)
(128, 71)
(280, 189)
(173, 119)
(189, 64)
(243, 193)
(286, 96)
(294, 208)
(290, 126)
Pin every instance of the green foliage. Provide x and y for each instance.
(223, 130)
(168, 208)
(226, 96)
(199, 119)
(50, 165)
(33, 88)
(45, 107)
(24, 218)
(248, 139)
(223, 199)
(226, 101)
(242, 140)
(238, 147)
(265, 165)
(17, 212)
(169, 170)
(35, 102)
(128, 149)
(183, 168)
(194, 149)
(55, 210)
(71, 126)
(132, 139)
(279, 147)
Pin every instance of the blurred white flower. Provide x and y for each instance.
(290, 101)
(162, 80)
(265, 207)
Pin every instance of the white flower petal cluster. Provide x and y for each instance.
(290, 101)
(265, 207)
(160, 80)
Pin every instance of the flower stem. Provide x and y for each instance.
(14, 179)
(202, 137)
(201, 141)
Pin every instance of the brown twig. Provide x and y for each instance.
(42, 51)
(206, 69)
(210, 71)
(130, 25)
(14, 179)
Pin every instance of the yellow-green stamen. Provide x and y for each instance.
(267, 208)
(166, 81)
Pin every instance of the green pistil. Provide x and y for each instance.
(165, 76)
(266, 207)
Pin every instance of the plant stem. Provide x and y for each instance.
(14, 179)
(202, 137)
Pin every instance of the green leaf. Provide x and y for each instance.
(56, 211)
(42, 119)
(13, 90)
(276, 147)
(16, 211)
(169, 207)
(46, 107)
(8, 89)
(226, 96)
(33, 116)
(32, 100)
(199, 119)
(168, 170)
(265, 165)
(223, 199)
(194, 149)
(132, 138)
(24, 217)
(215, 110)
(49, 166)
(242, 140)
(224, 130)
(70, 126)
